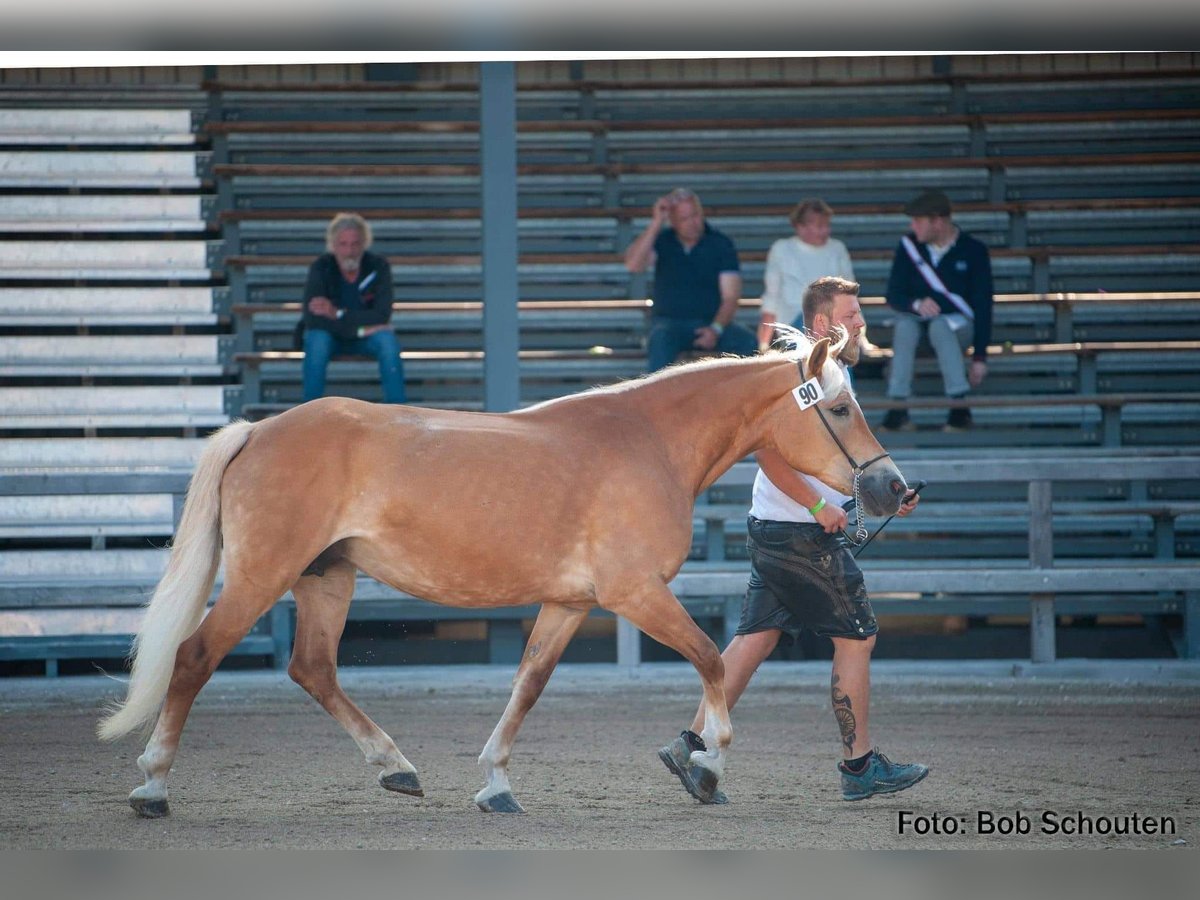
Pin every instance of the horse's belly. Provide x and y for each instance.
(462, 574)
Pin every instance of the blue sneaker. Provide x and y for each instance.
(881, 776)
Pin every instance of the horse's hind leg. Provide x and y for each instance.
(231, 618)
(322, 602)
(657, 612)
(551, 633)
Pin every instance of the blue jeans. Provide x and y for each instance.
(670, 337)
(320, 346)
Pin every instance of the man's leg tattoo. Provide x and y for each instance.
(844, 714)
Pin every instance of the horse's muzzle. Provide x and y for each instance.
(883, 489)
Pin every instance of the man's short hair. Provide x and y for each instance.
(344, 221)
(930, 203)
(818, 296)
(809, 205)
(685, 195)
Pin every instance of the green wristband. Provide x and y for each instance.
(717, 327)
(816, 507)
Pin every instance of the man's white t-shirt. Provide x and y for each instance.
(772, 504)
(792, 266)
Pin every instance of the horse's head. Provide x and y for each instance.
(824, 432)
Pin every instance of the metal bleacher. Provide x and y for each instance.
(153, 260)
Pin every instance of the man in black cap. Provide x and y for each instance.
(941, 279)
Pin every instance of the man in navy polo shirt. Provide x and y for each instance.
(697, 282)
(941, 279)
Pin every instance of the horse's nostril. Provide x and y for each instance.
(897, 488)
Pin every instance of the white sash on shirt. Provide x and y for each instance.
(932, 279)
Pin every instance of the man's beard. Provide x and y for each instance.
(850, 352)
(349, 265)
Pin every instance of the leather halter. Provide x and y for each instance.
(854, 465)
(860, 526)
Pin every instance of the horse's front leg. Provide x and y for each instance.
(657, 612)
(551, 633)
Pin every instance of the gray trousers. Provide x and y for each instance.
(948, 343)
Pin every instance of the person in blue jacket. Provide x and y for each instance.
(941, 280)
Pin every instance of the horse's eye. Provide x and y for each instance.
(842, 410)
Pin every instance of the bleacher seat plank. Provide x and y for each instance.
(110, 214)
(134, 259)
(96, 126)
(114, 355)
(66, 305)
(88, 169)
(136, 406)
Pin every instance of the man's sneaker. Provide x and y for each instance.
(881, 776)
(897, 420)
(958, 420)
(676, 756)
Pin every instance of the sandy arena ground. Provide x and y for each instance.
(263, 766)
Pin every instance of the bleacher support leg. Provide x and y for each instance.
(1111, 418)
(629, 644)
(52, 668)
(281, 635)
(1041, 555)
(1041, 628)
(506, 641)
(733, 614)
(714, 531)
(1191, 625)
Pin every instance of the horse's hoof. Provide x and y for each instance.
(149, 808)
(402, 783)
(503, 802)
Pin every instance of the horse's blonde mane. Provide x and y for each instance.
(798, 345)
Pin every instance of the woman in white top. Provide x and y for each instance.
(795, 262)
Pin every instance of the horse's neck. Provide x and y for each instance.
(711, 415)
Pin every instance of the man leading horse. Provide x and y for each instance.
(803, 576)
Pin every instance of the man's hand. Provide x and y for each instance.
(369, 330)
(705, 338)
(978, 372)
(927, 308)
(832, 518)
(661, 211)
(322, 306)
(909, 504)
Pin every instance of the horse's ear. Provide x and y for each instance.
(816, 358)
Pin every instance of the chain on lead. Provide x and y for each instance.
(860, 524)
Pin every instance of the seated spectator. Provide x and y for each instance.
(697, 282)
(348, 308)
(941, 280)
(794, 263)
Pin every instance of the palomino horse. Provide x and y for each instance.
(579, 502)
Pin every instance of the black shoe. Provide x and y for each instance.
(958, 420)
(897, 420)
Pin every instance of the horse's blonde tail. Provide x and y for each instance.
(177, 606)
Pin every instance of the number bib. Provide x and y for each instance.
(808, 394)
